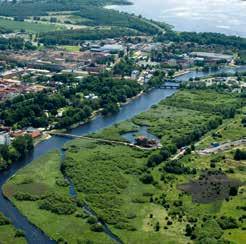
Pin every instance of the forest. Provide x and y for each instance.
(18, 149)
(75, 37)
(92, 13)
(31, 109)
(234, 42)
(15, 44)
(39, 8)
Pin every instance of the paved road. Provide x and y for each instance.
(223, 147)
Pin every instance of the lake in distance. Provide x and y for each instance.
(224, 16)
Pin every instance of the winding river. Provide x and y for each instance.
(140, 104)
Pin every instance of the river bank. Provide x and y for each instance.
(138, 105)
(116, 179)
(179, 76)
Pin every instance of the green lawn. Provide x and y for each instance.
(71, 48)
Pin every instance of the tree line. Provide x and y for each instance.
(41, 109)
(17, 150)
(205, 39)
(15, 44)
(75, 37)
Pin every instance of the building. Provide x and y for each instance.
(108, 48)
(35, 134)
(212, 56)
(4, 138)
(135, 74)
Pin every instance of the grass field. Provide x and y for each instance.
(140, 203)
(29, 27)
(71, 48)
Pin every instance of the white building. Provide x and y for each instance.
(135, 74)
(4, 138)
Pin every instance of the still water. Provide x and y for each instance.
(225, 16)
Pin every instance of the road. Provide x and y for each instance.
(223, 147)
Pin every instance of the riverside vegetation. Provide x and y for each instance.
(145, 196)
(8, 233)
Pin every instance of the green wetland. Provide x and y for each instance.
(144, 196)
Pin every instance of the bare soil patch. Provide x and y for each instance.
(211, 186)
(37, 189)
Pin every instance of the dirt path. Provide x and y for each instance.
(105, 140)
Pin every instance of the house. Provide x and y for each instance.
(4, 138)
(109, 48)
(145, 142)
(35, 134)
(212, 56)
(91, 96)
(17, 133)
(147, 78)
(135, 74)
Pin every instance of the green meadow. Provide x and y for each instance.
(29, 27)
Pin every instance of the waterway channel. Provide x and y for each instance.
(136, 106)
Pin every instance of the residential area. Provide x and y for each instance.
(139, 59)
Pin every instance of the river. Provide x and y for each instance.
(224, 16)
(136, 106)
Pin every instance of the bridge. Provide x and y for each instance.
(104, 140)
(168, 85)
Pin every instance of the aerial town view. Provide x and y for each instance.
(122, 122)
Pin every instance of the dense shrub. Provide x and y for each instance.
(97, 227)
(209, 229)
(92, 220)
(147, 178)
(3, 220)
(154, 160)
(176, 167)
(62, 182)
(22, 196)
(233, 191)
(126, 226)
(240, 155)
(19, 233)
(58, 204)
(227, 223)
